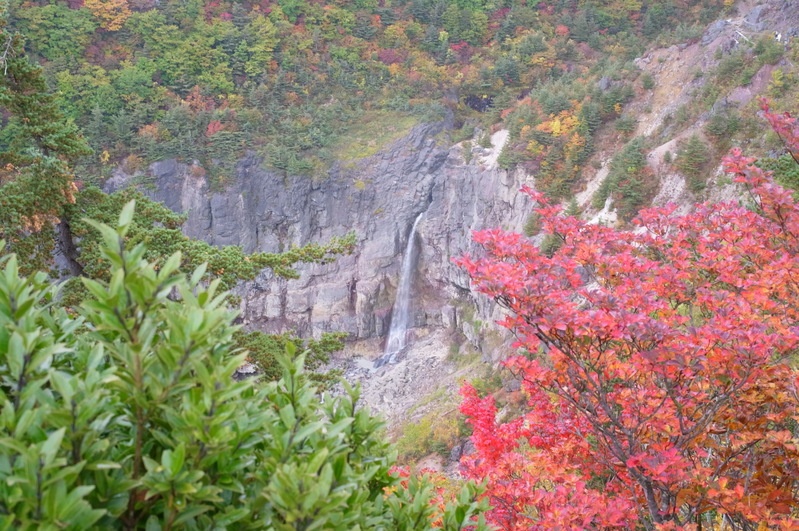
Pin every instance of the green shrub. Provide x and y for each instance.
(626, 123)
(647, 81)
(747, 75)
(602, 193)
(572, 208)
(264, 350)
(627, 180)
(768, 50)
(550, 244)
(417, 439)
(532, 225)
(730, 66)
(126, 417)
(786, 170)
(485, 140)
(723, 125)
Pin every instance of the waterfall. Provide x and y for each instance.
(401, 312)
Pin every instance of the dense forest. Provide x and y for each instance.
(294, 80)
(656, 367)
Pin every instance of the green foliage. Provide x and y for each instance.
(264, 350)
(36, 145)
(722, 125)
(572, 208)
(467, 151)
(417, 439)
(687, 33)
(730, 67)
(626, 123)
(373, 132)
(159, 229)
(126, 417)
(768, 50)
(629, 181)
(55, 31)
(692, 157)
(433, 433)
(532, 225)
(550, 244)
(780, 82)
(206, 81)
(485, 140)
(786, 170)
(628, 158)
(647, 81)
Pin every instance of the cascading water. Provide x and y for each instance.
(400, 314)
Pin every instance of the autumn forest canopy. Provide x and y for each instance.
(656, 358)
(207, 80)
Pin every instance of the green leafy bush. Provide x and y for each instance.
(125, 416)
(768, 50)
(647, 81)
(626, 123)
(786, 170)
(265, 349)
(723, 125)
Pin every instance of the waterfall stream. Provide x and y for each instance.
(400, 314)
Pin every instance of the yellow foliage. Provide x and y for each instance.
(574, 145)
(562, 124)
(534, 148)
(111, 14)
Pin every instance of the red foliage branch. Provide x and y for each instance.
(786, 126)
(657, 367)
(214, 127)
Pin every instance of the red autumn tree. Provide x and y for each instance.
(657, 367)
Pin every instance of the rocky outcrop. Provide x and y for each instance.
(378, 198)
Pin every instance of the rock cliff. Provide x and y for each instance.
(378, 198)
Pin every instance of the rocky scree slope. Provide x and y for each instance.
(680, 73)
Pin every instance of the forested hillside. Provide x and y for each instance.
(296, 80)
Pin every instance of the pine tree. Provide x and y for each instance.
(37, 146)
(691, 160)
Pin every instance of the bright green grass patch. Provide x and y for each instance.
(374, 131)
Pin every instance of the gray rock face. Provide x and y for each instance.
(378, 198)
(713, 32)
(755, 18)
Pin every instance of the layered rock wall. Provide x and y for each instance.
(378, 198)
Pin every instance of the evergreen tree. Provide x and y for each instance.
(36, 148)
(692, 157)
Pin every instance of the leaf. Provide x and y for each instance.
(126, 214)
(52, 445)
